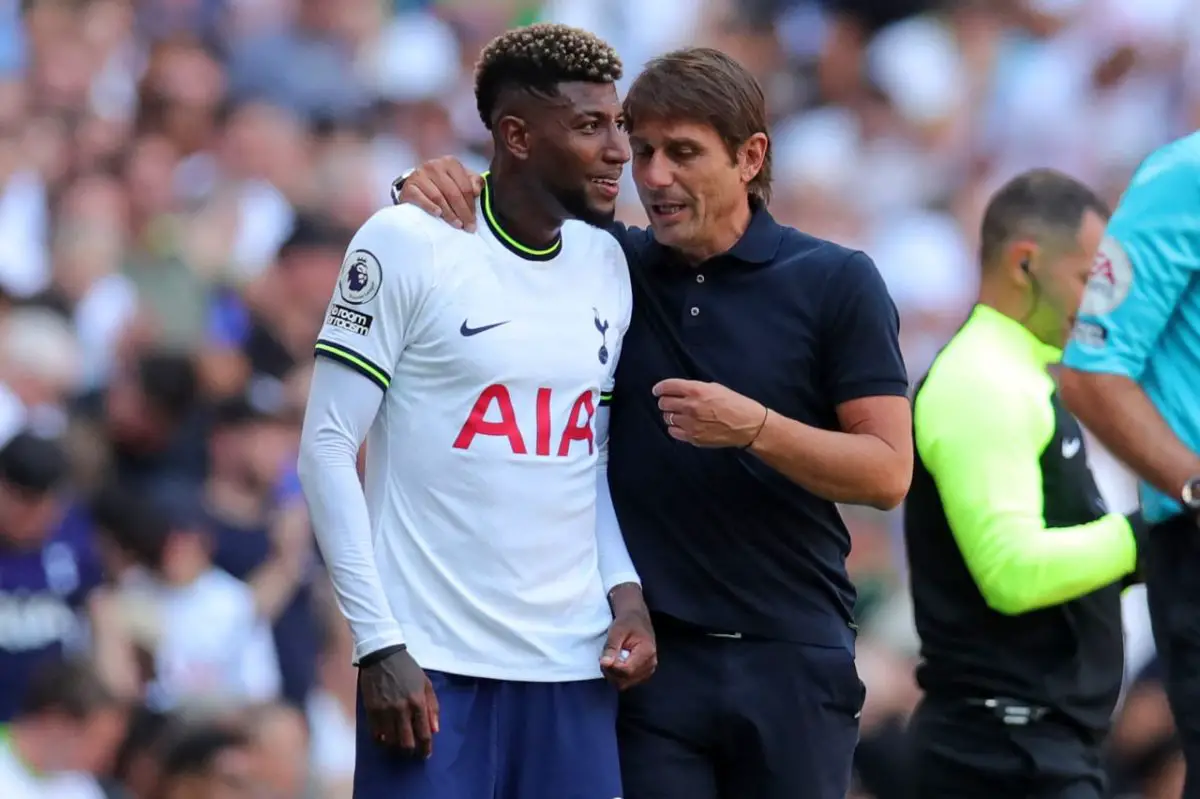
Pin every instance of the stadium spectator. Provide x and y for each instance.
(66, 731)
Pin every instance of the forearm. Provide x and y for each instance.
(112, 646)
(328, 473)
(1119, 413)
(616, 567)
(849, 468)
(275, 582)
(1020, 567)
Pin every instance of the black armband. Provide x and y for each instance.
(379, 655)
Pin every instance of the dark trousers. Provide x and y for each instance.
(736, 718)
(965, 752)
(1172, 573)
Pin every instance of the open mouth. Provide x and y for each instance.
(667, 211)
(609, 187)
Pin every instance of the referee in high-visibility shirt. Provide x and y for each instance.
(1016, 569)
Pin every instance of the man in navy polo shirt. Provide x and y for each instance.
(761, 382)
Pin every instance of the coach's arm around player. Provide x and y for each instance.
(867, 461)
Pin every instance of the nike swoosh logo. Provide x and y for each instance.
(474, 331)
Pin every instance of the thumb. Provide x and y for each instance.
(612, 647)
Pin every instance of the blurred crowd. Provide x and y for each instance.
(178, 180)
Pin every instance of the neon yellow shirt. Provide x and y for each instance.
(983, 421)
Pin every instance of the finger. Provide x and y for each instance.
(641, 656)
(611, 653)
(382, 730)
(675, 387)
(404, 729)
(415, 196)
(675, 404)
(434, 707)
(422, 732)
(464, 201)
(436, 196)
(679, 434)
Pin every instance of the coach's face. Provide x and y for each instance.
(690, 184)
(581, 150)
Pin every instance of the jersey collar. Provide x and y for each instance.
(510, 243)
(1013, 334)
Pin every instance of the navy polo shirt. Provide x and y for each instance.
(720, 539)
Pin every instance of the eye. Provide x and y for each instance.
(589, 127)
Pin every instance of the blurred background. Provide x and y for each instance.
(178, 180)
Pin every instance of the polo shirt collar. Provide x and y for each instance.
(758, 245)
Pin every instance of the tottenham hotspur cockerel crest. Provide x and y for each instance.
(603, 328)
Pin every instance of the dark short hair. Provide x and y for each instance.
(70, 687)
(314, 232)
(536, 59)
(706, 86)
(33, 463)
(170, 382)
(1044, 205)
(128, 520)
(195, 751)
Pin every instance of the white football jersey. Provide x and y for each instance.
(481, 463)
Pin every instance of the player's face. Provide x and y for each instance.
(1069, 277)
(689, 184)
(582, 151)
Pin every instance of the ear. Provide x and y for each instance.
(1021, 261)
(514, 136)
(752, 155)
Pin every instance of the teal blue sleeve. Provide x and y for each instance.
(1149, 256)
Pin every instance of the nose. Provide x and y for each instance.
(617, 151)
(654, 171)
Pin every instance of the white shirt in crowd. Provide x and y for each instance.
(485, 540)
(211, 644)
(18, 781)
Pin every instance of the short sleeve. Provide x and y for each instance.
(1149, 256)
(861, 334)
(379, 294)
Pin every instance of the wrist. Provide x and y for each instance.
(398, 186)
(762, 425)
(1189, 495)
(626, 597)
(380, 655)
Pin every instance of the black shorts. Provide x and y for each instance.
(738, 718)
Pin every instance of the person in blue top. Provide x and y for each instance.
(1131, 373)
